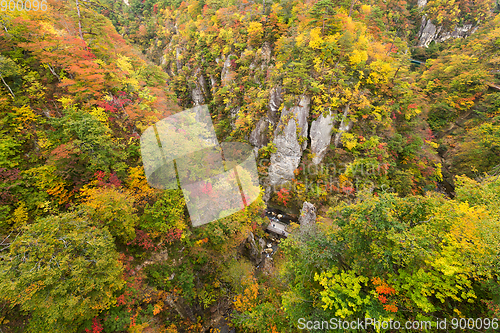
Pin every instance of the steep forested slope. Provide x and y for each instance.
(341, 115)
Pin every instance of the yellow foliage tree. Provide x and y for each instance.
(19, 217)
(112, 208)
(248, 299)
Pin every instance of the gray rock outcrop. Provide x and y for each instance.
(234, 115)
(345, 126)
(268, 265)
(226, 74)
(180, 305)
(262, 243)
(260, 135)
(321, 136)
(200, 90)
(255, 252)
(266, 54)
(197, 94)
(178, 62)
(429, 32)
(275, 100)
(307, 218)
(291, 127)
(421, 3)
(212, 81)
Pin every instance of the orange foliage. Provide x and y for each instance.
(391, 307)
(248, 300)
(382, 288)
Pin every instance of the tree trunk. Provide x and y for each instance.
(79, 20)
(353, 2)
(5, 83)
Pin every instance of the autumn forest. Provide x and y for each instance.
(375, 126)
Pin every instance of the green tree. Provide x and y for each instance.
(399, 258)
(8, 68)
(166, 214)
(480, 151)
(94, 143)
(114, 209)
(62, 271)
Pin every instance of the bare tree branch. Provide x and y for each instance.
(79, 20)
(54, 72)
(5, 83)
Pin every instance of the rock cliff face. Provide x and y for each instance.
(321, 135)
(307, 218)
(178, 62)
(287, 138)
(255, 251)
(200, 91)
(268, 265)
(275, 100)
(261, 134)
(430, 32)
(290, 128)
(180, 305)
(345, 126)
(234, 113)
(226, 74)
(264, 57)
